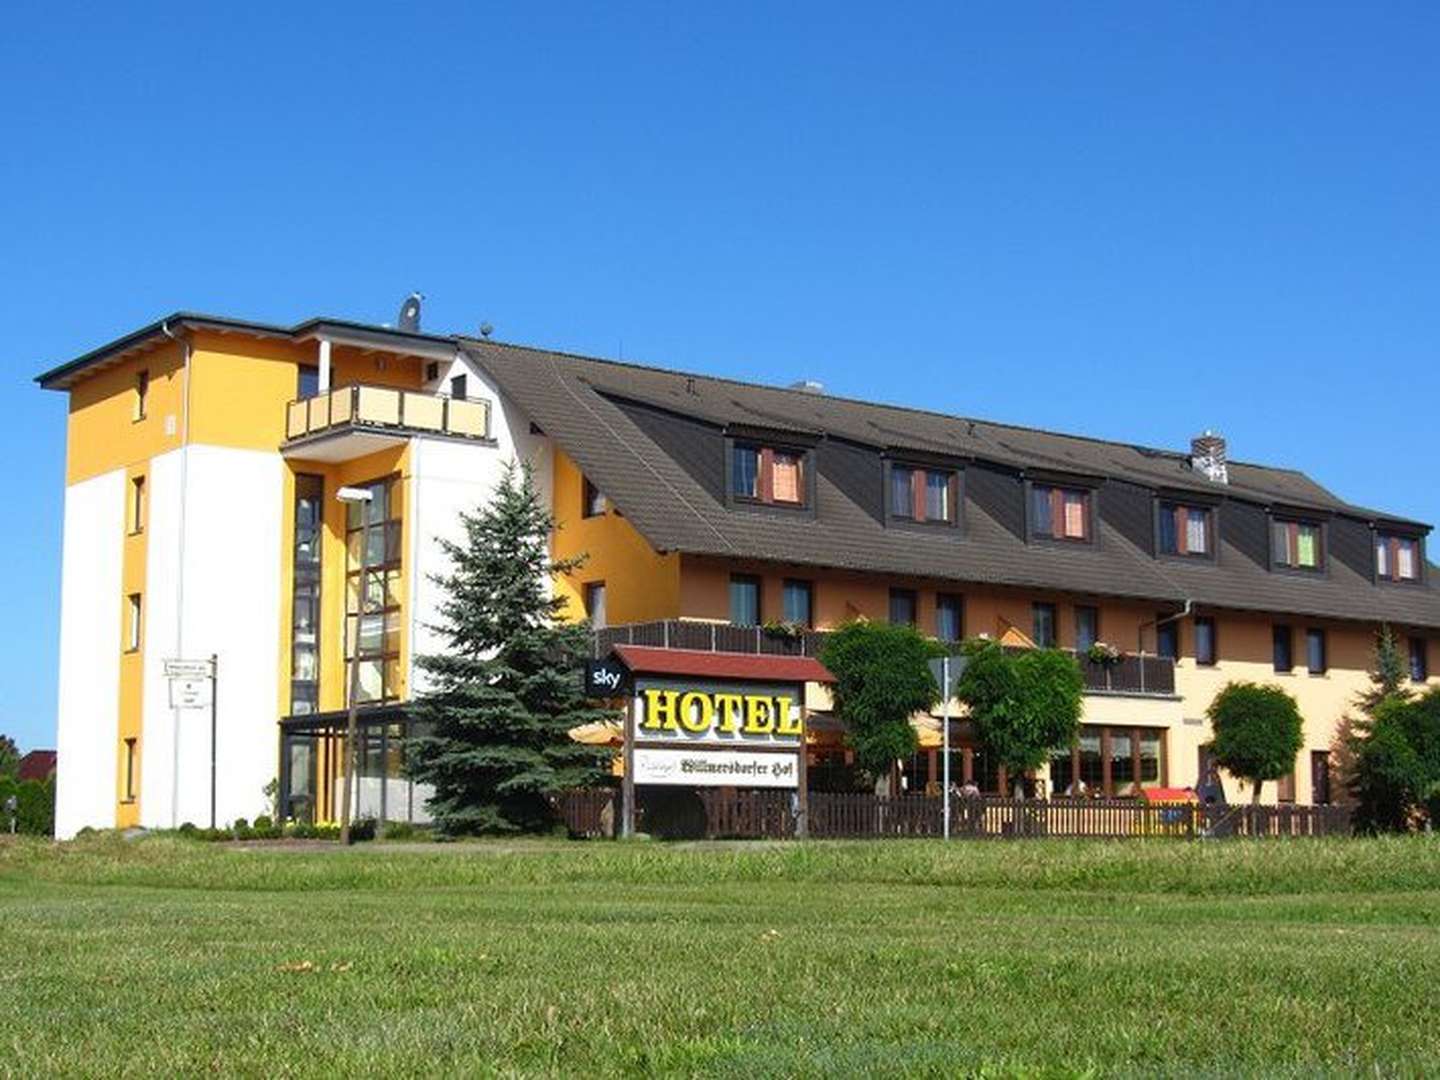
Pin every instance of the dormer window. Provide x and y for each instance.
(923, 494)
(1397, 558)
(1297, 545)
(1186, 530)
(1059, 513)
(767, 474)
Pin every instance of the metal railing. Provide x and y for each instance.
(386, 408)
(1128, 674)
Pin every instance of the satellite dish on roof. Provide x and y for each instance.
(409, 319)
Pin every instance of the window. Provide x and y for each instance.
(1283, 649)
(1043, 617)
(130, 778)
(1186, 530)
(1320, 777)
(307, 381)
(927, 495)
(1315, 651)
(1087, 627)
(142, 392)
(373, 592)
(1059, 513)
(137, 504)
(132, 628)
(903, 605)
(1419, 659)
(459, 388)
(949, 617)
(595, 604)
(1205, 650)
(1167, 637)
(1297, 545)
(305, 595)
(1397, 558)
(768, 475)
(1109, 761)
(592, 502)
(744, 600)
(798, 599)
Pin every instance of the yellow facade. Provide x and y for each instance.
(640, 583)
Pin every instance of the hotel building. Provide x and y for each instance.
(205, 455)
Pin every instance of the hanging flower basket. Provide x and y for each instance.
(1101, 653)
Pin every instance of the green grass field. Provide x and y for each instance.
(164, 956)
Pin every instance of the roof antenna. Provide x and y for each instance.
(409, 318)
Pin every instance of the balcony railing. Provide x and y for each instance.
(1129, 674)
(385, 408)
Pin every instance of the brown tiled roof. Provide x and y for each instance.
(36, 765)
(646, 436)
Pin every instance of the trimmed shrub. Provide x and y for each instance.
(1258, 732)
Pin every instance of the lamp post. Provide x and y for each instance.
(352, 496)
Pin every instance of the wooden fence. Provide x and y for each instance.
(721, 813)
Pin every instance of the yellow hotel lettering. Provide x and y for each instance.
(699, 712)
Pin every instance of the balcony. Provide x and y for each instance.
(354, 420)
(1131, 674)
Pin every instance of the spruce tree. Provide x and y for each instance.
(1387, 672)
(502, 696)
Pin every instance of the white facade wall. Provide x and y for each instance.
(447, 478)
(213, 579)
(88, 721)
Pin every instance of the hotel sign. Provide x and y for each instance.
(716, 768)
(693, 733)
(716, 714)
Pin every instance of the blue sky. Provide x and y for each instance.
(1126, 220)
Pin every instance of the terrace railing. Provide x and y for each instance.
(1128, 674)
(386, 408)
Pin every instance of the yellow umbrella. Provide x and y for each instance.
(599, 733)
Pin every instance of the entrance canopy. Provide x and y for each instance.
(647, 660)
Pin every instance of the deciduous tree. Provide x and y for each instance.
(1024, 704)
(1257, 732)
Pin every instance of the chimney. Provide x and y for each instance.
(1207, 457)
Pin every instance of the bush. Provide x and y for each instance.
(263, 823)
(1395, 772)
(35, 814)
(187, 828)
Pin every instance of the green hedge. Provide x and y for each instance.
(36, 814)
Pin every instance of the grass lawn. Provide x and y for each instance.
(166, 956)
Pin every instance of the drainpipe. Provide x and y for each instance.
(183, 340)
(1157, 623)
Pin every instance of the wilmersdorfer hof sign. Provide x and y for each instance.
(716, 734)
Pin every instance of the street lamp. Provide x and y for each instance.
(352, 496)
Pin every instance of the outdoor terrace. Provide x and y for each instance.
(1131, 674)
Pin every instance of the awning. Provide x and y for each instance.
(647, 660)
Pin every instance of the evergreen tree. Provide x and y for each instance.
(1387, 672)
(501, 698)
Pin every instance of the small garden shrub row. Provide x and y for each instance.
(263, 828)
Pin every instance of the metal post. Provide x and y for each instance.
(627, 782)
(351, 723)
(802, 780)
(945, 738)
(214, 687)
